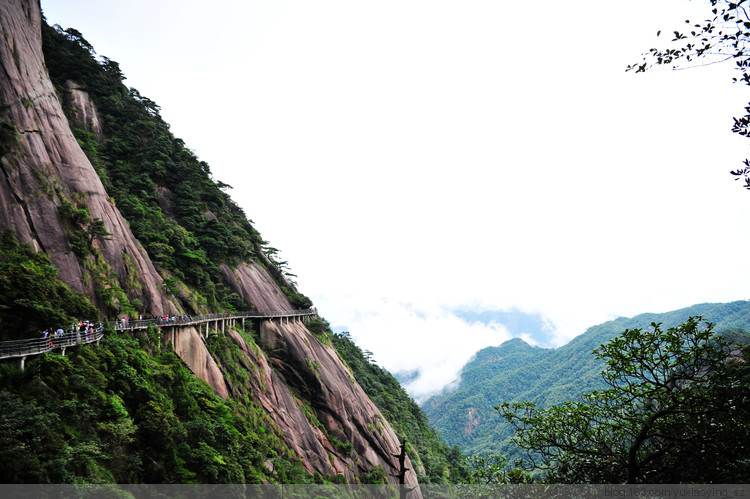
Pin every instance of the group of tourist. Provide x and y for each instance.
(173, 319)
(81, 331)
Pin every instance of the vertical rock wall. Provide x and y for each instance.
(189, 346)
(339, 404)
(44, 165)
(256, 286)
(84, 110)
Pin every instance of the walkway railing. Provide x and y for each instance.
(36, 346)
(188, 320)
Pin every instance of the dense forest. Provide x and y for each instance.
(129, 411)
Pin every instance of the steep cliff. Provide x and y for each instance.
(44, 168)
(314, 399)
(75, 164)
(255, 286)
(311, 396)
(83, 110)
(189, 346)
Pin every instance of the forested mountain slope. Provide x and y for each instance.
(516, 371)
(106, 215)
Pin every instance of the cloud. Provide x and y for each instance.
(534, 328)
(408, 337)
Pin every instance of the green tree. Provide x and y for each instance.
(494, 469)
(32, 298)
(724, 37)
(676, 410)
(30, 444)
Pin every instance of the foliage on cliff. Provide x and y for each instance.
(116, 413)
(442, 463)
(32, 298)
(179, 213)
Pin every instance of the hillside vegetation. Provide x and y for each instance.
(516, 371)
(675, 408)
(128, 411)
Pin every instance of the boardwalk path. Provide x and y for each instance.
(36, 346)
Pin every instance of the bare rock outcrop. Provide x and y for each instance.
(189, 346)
(347, 425)
(84, 110)
(256, 286)
(306, 440)
(43, 166)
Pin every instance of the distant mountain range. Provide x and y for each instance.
(525, 325)
(517, 371)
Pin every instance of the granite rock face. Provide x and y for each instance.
(255, 285)
(190, 347)
(43, 167)
(84, 110)
(341, 413)
(323, 414)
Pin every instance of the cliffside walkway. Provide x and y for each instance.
(36, 346)
(188, 320)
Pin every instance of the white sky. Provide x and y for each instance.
(412, 157)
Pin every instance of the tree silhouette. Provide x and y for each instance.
(676, 410)
(724, 37)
